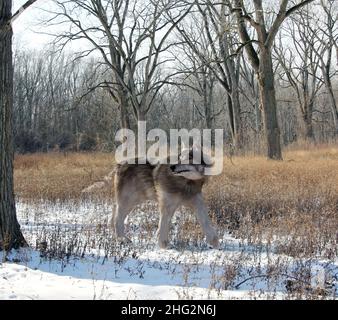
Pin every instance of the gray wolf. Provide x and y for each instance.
(172, 186)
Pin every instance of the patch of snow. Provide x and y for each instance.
(141, 270)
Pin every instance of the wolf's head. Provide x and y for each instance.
(189, 167)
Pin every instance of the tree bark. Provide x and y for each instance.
(308, 128)
(207, 102)
(269, 104)
(234, 117)
(238, 134)
(10, 233)
(333, 104)
(307, 117)
(123, 104)
(232, 70)
(261, 61)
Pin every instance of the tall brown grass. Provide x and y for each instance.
(58, 176)
(291, 203)
(286, 207)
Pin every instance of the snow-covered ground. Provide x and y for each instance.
(73, 256)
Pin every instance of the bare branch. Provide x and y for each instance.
(21, 10)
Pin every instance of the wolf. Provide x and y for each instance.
(171, 185)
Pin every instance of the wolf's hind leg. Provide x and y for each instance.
(119, 216)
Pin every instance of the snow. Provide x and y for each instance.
(20, 282)
(80, 263)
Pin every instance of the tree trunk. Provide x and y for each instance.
(123, 101)
(207, 111)
(269, 105)
(10, 233)
(308, 129)
(234, 117)
(258, 108)
(238, 134)
(231, 117)
(309, 134)
(208, 90)
(233, 95)
(333, 104)
(141, 116)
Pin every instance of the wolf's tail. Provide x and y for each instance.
(106, 182)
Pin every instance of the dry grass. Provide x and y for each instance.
(58, 176)
(294, 201)
(292, 204)
(289, 208)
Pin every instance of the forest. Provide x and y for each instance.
(177, 65)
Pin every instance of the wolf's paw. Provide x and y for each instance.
(163, 244)
(123, 240)
(213, 243)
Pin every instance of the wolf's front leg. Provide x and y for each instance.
(201, 210)
(167, 211)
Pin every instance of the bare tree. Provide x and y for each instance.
(193, 63)
(261, 59)
(300, 65)
(250, 94)
(326, 31)
(211, 40)
(10, 233)
(125, 33)
(73, 100)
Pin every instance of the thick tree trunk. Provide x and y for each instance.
(10, 233)
(269, 105)
(141, 116)
(307, 116)
(308, 130)
(123, 101)
(333, 104)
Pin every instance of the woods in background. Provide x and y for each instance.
(235, 65)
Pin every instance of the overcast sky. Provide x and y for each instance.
(28, 28)
(24, 27)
